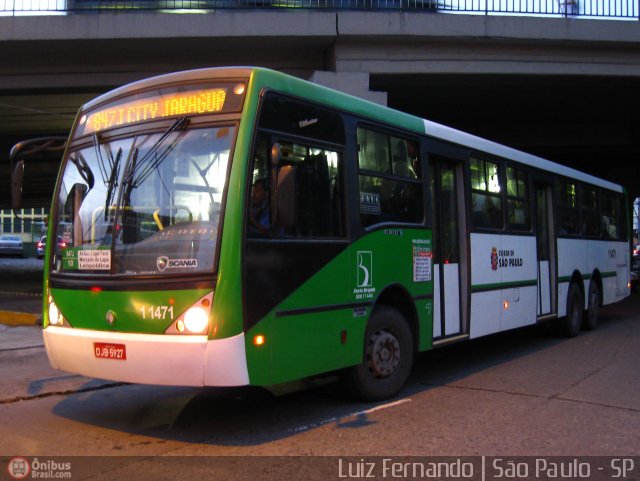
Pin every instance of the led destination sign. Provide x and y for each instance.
(163, 103)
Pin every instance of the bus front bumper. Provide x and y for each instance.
(148, 358)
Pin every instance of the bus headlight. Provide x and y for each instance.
(55, 316)
(195, 320)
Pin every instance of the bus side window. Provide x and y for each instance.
(390, 179)
(589, 212)
(286, 195)
(612, 219)
(518, 201)
(567, 201)
(485, 194)
(309, 194)
(260, 203)
(307, 198)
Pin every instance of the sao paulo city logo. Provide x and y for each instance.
(494, 258)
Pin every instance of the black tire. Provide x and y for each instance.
(573, 319)
(590, 319)
(388, 357)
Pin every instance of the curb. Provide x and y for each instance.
(10, 318)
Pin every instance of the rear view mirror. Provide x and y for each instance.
(17, 176)
(43, 155)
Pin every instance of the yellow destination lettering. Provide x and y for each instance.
(99, 121)
(169, 105)
(133, 114)
(200, 103)
(153, 110)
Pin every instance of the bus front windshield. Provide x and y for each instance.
(143, 205)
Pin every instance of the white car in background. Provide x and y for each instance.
(11, 245)
(41, 245)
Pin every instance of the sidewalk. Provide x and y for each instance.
(14, 318)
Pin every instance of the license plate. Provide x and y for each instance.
(105, 350)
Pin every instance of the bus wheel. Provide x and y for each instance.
(591, 314)
(388, 356)
(573, 320)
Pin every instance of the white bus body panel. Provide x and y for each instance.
(150, 358)
(610, 258)
(572, 256)
(520, 269)
(504, 270)
(518, 307)
(485, 313)
(485, 306)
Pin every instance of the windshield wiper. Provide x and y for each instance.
(203, 174)
(83, 169)
(180, 123)
(127, 183)
(113, 179)
(101, 166)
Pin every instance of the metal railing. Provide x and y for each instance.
(609, 9)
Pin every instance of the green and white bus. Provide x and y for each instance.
(238, 226)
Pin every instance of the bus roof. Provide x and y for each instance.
(483, 145)
(170, 78)
(262, 77)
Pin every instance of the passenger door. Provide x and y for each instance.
(545, 250)
(450, 286)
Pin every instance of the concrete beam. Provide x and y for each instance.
(141, 25)
(408, 42)
(107, 49)
(417, 25)
(314, 23)
(463, 56)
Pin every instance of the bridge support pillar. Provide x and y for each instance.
(353, 83)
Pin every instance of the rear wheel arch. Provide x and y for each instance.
(572, 321)
(597, 278)
(593, 300)
(388, 351)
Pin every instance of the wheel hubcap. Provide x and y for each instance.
(593, 305)
(383, 354)
(576, 313)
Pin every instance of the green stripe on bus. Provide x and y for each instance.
(503, 285)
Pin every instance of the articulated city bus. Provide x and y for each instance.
(238, 226)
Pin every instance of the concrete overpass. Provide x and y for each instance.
(563, 88)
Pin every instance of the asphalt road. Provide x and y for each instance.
(20, 287)
(520, 393)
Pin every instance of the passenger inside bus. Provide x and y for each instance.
(259, 216)
(405, 195)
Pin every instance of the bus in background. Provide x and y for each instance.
(236, 226)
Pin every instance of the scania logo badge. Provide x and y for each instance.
(162, 262)
(111, 317)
